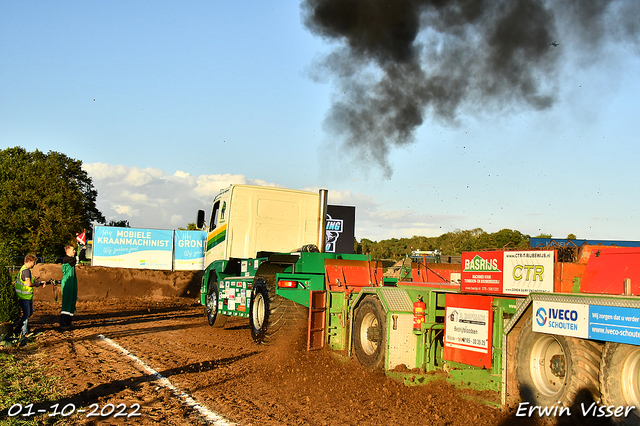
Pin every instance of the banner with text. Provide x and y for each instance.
(467, 329)
(508, 272)
(132, 248)
(189, 250)
(595, 322)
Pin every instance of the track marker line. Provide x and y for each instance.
(185, 398)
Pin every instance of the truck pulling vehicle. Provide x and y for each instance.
(518, 322)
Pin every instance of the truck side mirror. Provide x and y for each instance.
(200, 220)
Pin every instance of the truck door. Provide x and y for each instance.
(217, 232)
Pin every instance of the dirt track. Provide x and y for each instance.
(224, 371)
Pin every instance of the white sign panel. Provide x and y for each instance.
(467, 329)
(565, 319)
(525, 272)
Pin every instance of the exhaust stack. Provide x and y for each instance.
(322, 225)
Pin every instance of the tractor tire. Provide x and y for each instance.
(370, 334)
(620, 380)
(553, 369)
(214, 318)
(271, 315)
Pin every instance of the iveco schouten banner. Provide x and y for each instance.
(595, 322)
(132, 248)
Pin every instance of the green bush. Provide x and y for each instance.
(9, 308)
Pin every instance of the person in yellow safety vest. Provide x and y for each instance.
(69, 286)
(24, 289)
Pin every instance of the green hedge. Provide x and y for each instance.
(9, 308)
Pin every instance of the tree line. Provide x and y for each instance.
(45, 200)
(451, 243)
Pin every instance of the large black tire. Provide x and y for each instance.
(552, 369)
(214, 318)
(270, 315)
(370, 333)
(620, 379)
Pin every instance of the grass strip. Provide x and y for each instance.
(24, 380)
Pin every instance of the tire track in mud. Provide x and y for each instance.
(224, 370)
(208, 415)
(94, 374)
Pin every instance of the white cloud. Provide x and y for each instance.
(210, 185)
(177, 221)
(378, 224)
(101, 171)
(136, 197)
(140, 177)
(150, 198)
(133, 176)
(126, 210)
(182, 175)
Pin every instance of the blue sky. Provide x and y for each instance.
(167, 103)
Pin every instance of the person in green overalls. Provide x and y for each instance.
(69, 286)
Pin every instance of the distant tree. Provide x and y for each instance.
(506, 237)
(44, 200)
(451, 243)
(544, 236)
(572, 237)
(366, 245)
(119, 223)
(458, 241)
(190, 227)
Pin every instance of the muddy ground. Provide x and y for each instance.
(222, 371)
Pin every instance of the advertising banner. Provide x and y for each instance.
(132, 248)
(482, 271)
(613, 324)
(508, 272)
(527, 272)
(189, 250)
(605, 323)
(565, 319)
(340, 231)
(467, 329)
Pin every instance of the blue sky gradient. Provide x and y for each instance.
(167, 103)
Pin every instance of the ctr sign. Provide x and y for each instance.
(508, 272)
(528, 272)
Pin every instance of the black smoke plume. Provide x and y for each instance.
(397, 61)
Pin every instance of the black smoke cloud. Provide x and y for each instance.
(398, 61)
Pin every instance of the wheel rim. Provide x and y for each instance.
(370, 321)
(258, 311)
(212, 304)
(631, 386)
(548, 365)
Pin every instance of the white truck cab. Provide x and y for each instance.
(247, 219)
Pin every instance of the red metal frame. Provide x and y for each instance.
(607, 269)
(352, 275)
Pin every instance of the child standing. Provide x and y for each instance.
(24, 289)
(69, 286)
